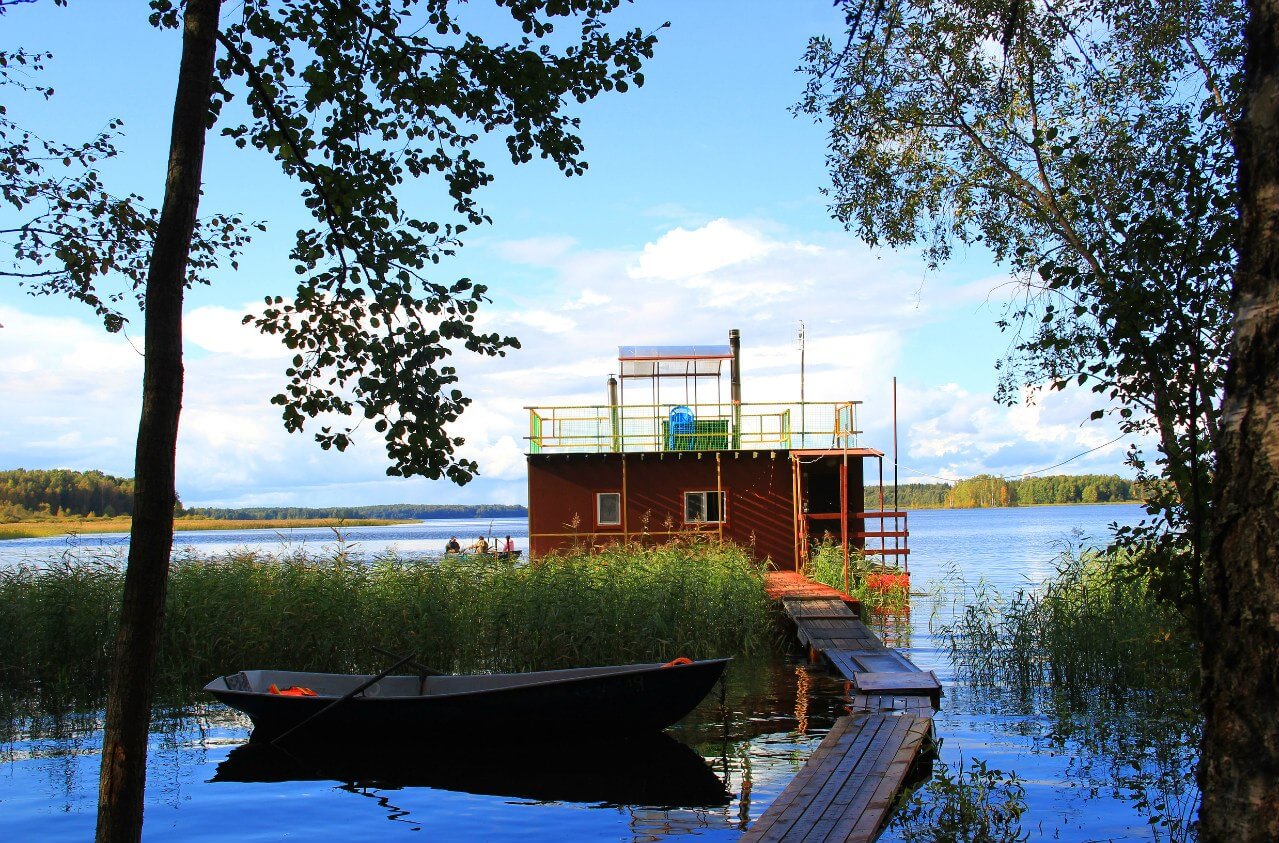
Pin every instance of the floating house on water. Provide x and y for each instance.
(668, 456)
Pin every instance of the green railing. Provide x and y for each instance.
(692, 427)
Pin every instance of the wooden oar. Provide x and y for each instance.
(413, 663)
(363, 687)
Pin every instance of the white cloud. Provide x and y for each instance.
(952, 433)
(542, 320)
(221, 330)
(536, 251)
(588, 298)
(682, 254)
(75, 389)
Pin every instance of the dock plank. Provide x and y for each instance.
(858, 806)
(921, 682)
(851, 662)
(847, 788)
(866, 824)
(917, 705)
(834, 759)
(817, 608)
(848, 784)
(850, 778)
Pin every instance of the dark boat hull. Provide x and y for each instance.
(634, 699)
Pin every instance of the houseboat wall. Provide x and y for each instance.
(759, 510)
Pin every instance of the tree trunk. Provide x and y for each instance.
(1240, 761)
(124, 747)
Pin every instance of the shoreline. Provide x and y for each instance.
(122, 524)
(1020, 506)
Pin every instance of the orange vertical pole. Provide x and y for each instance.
(843, 518)
(626, 537)
(803, 511)
(794, 489)
(905, 542)
(882, 543)
(719, 494)
(794, 513)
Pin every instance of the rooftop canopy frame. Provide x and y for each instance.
(690, 363)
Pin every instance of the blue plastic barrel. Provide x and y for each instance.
(679, 432)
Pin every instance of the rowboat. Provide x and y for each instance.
(622, 699)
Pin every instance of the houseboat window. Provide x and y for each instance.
(608, 509)
(704, 507)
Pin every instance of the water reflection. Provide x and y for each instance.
(653, 770)
(712, 774)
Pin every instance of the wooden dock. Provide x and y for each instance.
(845, 790)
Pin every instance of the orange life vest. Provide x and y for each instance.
(292, 691)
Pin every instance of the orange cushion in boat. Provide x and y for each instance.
(292, 691)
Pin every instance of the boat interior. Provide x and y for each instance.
(338, 684)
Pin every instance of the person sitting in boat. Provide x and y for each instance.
(452, 546)
(508, 548)
(480, 547)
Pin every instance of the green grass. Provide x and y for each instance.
(245, 610)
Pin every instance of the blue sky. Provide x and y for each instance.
(701, 212)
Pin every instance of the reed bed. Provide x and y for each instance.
(245, 610)
(1113, 670)
(826, 565)
(1089, 627)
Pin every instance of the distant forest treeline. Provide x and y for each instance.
(59, 492)
(62, 493)
(399, 511)
(985, 490)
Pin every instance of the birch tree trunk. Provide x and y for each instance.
(1240, 764)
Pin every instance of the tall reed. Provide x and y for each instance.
(1088, 628)
(1112, 669)
(244, 610)
(826, 565)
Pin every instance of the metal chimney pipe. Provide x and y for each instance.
(614, 413)
(735, 384)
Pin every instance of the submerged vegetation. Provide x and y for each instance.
(976, 804)
(245, 610)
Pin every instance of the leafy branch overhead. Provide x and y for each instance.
(63, 233)
(1088, 146)
(356, 98)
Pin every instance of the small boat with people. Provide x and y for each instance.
(632, 698)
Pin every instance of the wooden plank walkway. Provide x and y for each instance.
(847, 787)
(780, 584)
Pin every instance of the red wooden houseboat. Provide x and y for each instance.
(668, 456)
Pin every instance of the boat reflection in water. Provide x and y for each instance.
(652, 770)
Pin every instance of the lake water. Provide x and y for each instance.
(725, 764)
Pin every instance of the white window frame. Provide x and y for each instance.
(706, 497)
(599, 500)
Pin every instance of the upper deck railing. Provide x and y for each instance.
(634, 428)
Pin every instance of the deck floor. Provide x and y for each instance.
(847, 787)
